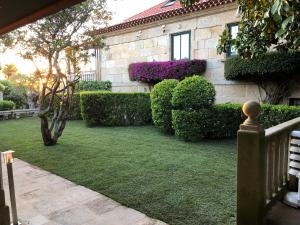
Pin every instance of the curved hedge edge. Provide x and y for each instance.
(270, 66)
(161, 105)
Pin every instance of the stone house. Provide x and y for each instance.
(168, 31)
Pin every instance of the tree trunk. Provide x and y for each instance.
(46, 132)
(275, 91)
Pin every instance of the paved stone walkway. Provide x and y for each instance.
(46, 199)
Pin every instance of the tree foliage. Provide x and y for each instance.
(62, 43)
(264, 24)
(9, 70)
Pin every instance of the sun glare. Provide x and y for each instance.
(11, 57)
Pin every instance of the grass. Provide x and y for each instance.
(179, 183)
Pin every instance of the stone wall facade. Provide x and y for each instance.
(152, 42)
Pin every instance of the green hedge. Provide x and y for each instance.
(272, 65)
(14, 93)
(115, 109)
(75, 113)
(2, 87)
(273, 115)
(161, 105)
(94, 86)
(7, 105)
(223, 120)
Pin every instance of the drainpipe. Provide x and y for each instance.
(4, 210)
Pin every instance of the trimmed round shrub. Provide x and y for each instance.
(7, 105)
(2, 87)
(193, 93)
(161, 105)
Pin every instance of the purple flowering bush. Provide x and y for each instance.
(154, 72)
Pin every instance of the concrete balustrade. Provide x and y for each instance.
(16, 114)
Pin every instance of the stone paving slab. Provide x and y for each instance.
(46, 199)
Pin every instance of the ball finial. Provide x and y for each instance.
(251, 109)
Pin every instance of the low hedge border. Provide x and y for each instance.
(223, 120)
(7, 105)
(115, 109)
(93, 86)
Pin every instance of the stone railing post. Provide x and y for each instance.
(4, 210)
(251, 175)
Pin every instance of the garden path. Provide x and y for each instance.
(46, 199)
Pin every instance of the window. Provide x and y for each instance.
(181, 46)
(169, 3)
(233, 29)
(294, 101)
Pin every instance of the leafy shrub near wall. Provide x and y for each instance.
(275, 114)
(2, 87)
(269, 66)
(223, 120)
(94, 86)
(161, 105)
(193, 93)
(75, 113)
(14, 93)
(7, 105)
(220, 121)
(153, 72)
(115, 109)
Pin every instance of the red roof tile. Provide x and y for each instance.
(159, 12)
(155, 10)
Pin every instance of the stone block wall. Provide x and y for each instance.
(153, 43)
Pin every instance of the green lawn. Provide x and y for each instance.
(168, 179)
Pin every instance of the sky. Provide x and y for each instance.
(121, 10)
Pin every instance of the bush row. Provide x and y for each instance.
(16, 94)
(7, 105)
(154, 72)
(94, 86)
(115, 109)
(223, 120)
(271, 65)
(187, 109)
(2, 87)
